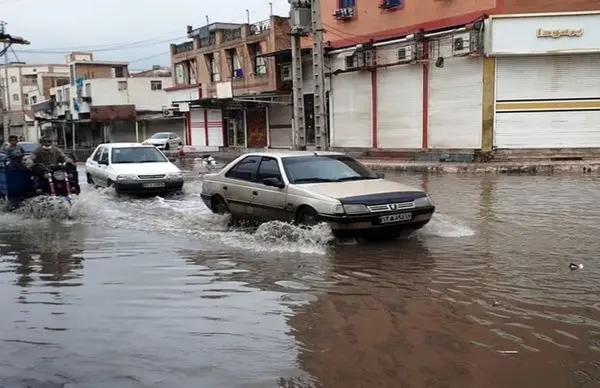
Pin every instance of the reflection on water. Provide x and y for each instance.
(168, 296)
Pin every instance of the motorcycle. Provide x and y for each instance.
(59, 180)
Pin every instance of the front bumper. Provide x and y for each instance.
(149, 186)
(419, 218)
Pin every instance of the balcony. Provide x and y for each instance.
(184, 47)
(231, 35)
(261, 27)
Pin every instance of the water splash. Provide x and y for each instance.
(442, 225)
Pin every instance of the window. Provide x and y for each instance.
(121, 86)
(233, 61)
(347, 3)
(268, 168)
(245, 169)
(33, 100)
(88, 90)
(213, 68)
(13, 79)
(119, 72)
(123, 155)
(59, 96)
(103, 156)
(155, 85)
(311, 169)
(97, 154)
(259, 64)
(67, 94)
(15, 97)
(391, 4)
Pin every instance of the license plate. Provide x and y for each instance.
(401, 217)
(153, 185)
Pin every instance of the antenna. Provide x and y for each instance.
(207, 22)
(248, 15)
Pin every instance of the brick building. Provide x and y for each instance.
(234, 91)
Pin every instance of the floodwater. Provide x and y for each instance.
(159, 293)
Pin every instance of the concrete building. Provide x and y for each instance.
(104, 102)
(421, 76)
(232, 86)
(18, 80)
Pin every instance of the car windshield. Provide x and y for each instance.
(160, 136)
(319, 168)
(137, 155)
(28, 147)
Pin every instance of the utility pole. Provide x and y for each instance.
(306, 20)
(318, 63)
(5, 88)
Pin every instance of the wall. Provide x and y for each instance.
(91, 71)
(528, 6)
(372, 22)
(105, 92)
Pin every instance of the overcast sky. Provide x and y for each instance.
(122, 30)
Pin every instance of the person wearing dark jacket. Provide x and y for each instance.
(47, 154)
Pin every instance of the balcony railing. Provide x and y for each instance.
(184, 47)
(260, 27)
(229, 35)
(208, 41)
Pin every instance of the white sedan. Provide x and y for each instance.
(133, 168)
(164, 141)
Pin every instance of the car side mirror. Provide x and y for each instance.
(273, 182)
(380, 175)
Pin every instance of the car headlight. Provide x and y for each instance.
(422, 202)
(59, 175)
(355, 209)
(175, 175)
(339, 209)
(127, 177)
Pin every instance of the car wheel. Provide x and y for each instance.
(307, 216)
(90, 180)
(218, 205)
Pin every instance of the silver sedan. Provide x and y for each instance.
(312, 187)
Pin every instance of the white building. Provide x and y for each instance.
(409, 94)
(18, 80)
(547, 88)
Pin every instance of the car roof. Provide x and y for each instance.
(287, 154)
(126, 145)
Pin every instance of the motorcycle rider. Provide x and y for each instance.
(47, 154)
(13, 151)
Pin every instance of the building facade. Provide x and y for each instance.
(232, 87)
(18, 80)
(414, 76)
(103, 102)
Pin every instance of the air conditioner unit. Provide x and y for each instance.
(461, 44)
(476, 41)
(344, 13)
(406, 54)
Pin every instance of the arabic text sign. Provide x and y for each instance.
(544, 34)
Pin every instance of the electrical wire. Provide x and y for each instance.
(116, 48)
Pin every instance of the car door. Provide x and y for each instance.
(238, 185)
(91, 165)
(270, 203)
(103, 167)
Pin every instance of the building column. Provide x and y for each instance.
(425, 118)
(489, 92)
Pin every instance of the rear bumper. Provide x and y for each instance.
(149, 186)
(418, 218)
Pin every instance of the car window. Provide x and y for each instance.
(311, 169)
(104, 156)
(97, 154)
(124, 155)
(171, 136)
(245, 169)
(160, 136)
(268, 168)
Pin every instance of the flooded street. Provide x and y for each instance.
(159, 293)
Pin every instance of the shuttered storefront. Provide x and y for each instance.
(206, 122)
(351, 110)
(280, 126)
(455, 104)
(400, 107)
(550, 101)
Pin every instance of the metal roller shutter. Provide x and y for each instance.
(455, 104)
(351, 113)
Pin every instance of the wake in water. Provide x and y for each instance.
(186, 214)
(42, 207)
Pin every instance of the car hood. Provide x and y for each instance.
(358, 188)
(156, 141)
(145, 168)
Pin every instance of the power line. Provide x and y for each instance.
(149, 57)
(116, 48)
